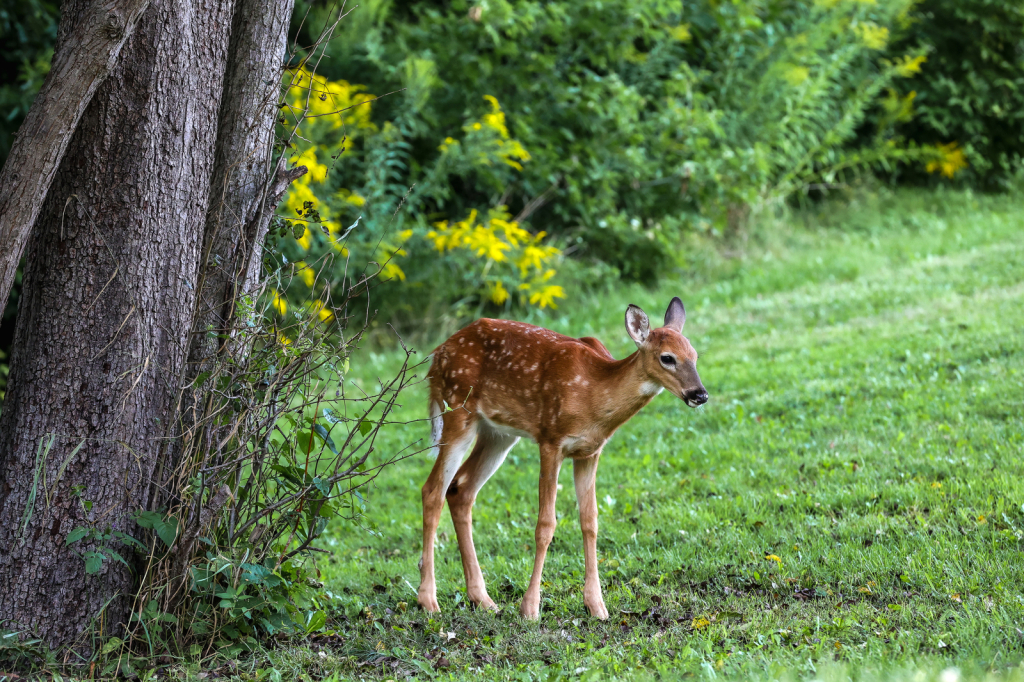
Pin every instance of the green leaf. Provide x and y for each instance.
(322, 432)
(148, 519)
(315, 621)
(129, 540)
(365, 427)
(76, 535)
(323, 486)
(294, 474)
(111, 644)
(93, 562)
(115, 555)
(304, 441)
(167, 530)
(166, 527)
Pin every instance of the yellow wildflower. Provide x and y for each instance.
(447, 144)
(486, 243)
(513, 233)
(500, 240)
(298, 194)
(496, 119)
(873, 36)
(512, 150)
(392, 271)
(498, 292)
(680, 32)
(306, 273)
(317, 172)
(907, 66)
(773, 557)
(546, 297)
(796, 75)
(898, 108)
(279, 304)
(350, 197)
(952, 161)
(700, 623)
(339, 103)
(322, 311)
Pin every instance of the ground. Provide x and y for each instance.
(852, 495)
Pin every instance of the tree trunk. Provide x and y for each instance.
(92, 35)
(245, 187)
(245, 191)
(103, 324)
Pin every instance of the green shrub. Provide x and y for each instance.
(28, 31)
(970, 92)
(635, 124)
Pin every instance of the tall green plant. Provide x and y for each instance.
(643, 119)
(969, 96)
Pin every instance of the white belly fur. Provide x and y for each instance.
(505, 430)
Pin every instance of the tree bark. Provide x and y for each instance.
(246, 187)
(92, 35)
(102, 334)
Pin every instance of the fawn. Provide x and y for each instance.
(504, 380)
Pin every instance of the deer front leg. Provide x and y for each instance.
(550, 464)
(584, 472)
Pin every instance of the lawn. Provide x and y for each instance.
(852, 495)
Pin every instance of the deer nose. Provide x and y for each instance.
(699, 396)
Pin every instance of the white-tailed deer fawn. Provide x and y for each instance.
(503, 380)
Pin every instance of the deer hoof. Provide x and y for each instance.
(529, 610)
(429, 603)
(598, 610)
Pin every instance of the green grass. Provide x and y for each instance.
(866, 425)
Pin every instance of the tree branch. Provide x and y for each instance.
(83, 60)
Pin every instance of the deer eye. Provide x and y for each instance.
(668, 360)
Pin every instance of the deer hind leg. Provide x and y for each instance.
(453, 433)
(584, 473)
(488, 454)
(550, 464)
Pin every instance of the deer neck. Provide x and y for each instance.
(627, 388)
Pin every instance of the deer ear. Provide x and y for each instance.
(637, 324)
(675, 316)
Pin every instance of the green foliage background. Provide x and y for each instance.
(971, 89)
(28, 29)
(645, 121)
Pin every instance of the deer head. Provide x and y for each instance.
(666, 355)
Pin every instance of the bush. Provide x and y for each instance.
(969, 96)
(616, 128)
(368, 198)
